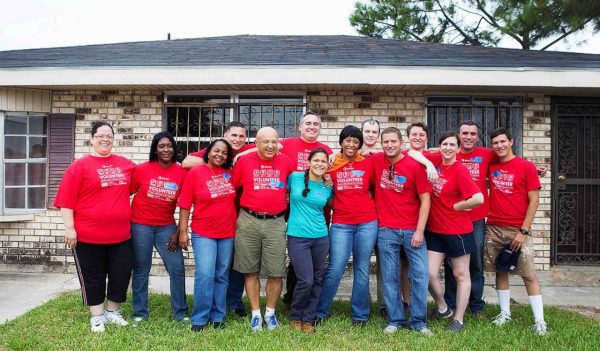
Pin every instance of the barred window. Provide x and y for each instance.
(196, 120)
(24, 162)
(447, 113)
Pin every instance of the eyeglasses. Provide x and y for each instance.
(107, 136)
(391, 172)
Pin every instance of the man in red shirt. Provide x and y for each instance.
(514, 199)
(297, 149)
(260, 237)
(402, 200)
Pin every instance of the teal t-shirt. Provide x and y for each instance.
(306, 213)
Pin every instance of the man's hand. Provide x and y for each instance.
(417, 238)
(184, 239)
(432, 174)
(517, 242)
(541, 170)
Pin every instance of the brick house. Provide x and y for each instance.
(192, 87)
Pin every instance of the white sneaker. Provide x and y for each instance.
(390, 329)
(540, 328)
(502, 318)
(115, 317)
(97, 323)
(425, 331)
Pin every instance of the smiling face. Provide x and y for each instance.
(469, 136)
(318, 164)
(370, 134)
(449, 148)
(266, 143)
(310, 128)
(417, 138)
(502, 147)
(236, 137)
(217, 155)
(350, 147)
(102, 141)
(165, 151)
(392, 145)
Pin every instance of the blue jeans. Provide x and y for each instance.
(235, 290)
(212, 260)
(360, 240)
(388, 244)
(308, 257)
(143, 239)
(476, 302)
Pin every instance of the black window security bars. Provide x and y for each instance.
(194, 121)
(447, 113)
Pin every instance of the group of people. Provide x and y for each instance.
(417, 209)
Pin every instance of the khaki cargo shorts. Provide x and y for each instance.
(496, 237)
(260, 245)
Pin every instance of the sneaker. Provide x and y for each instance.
(271, 322)
(296, 325)
(502, 318)
(115, 317)
(358, 323)
(308, 328)
(240, 312)
(425, 331)
(540, 328)
(196, 328)
(390, 329)
(185, 320)
(435, 314)
(97, 323)
(256, 323)
(455, 326)
(218, 325)
(137, 321)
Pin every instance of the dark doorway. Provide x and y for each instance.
(576, 181)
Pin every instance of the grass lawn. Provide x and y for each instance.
(63, 324)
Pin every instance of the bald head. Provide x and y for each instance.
(266, 142)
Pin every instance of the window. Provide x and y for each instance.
(195, 120)
(446, 113)
(24, 162)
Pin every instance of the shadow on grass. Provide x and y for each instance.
(63, 324)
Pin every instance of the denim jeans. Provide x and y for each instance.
(389, 243)
(143, 239)
(308, 257)
(360, 240)
(235, 290)
(476, 302)
(212, 261)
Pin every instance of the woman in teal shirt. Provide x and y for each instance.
(308, 243)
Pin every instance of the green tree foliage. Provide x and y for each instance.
(534, 24)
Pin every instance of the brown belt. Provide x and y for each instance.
(262, 215)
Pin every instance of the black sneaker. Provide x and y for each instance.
(240, 312)
(357, 323)
(435, 314)
(455, 326)
(198, 328)
(218, 325)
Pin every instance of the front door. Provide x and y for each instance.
(576, 181)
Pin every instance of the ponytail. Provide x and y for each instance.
(306, 189)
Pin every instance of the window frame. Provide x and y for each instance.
(7, 212)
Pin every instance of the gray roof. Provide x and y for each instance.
(290, 50)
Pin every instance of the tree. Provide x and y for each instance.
(534, 24)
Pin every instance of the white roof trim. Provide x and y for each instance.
(251, 75)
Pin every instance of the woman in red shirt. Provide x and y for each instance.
(94, 203)
(208, 189)
(156, 185)
(449, 228)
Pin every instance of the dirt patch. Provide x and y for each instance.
(587, 311)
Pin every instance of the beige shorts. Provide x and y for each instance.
(260, 245)
(496, 237)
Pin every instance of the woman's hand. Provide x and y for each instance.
(184, 239)
(432, 174)
(70, 237)
(173, 244)
(328, 181)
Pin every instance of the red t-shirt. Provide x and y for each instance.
(477, 163)
(397, 200)
(97, 190)
(263, 182)
(352, 202)
(156, 191)
(298, 150)
(454, 184)
(509, 184)
(212, 195)
(200, 153)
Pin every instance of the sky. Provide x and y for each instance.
(26, 24)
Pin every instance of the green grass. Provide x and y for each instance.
(63, 324)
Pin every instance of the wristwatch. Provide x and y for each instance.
(524, 231)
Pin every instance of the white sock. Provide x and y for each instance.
(269, 311)
(444, 310)
(504, 300)
(256, 313)
(537, 307)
